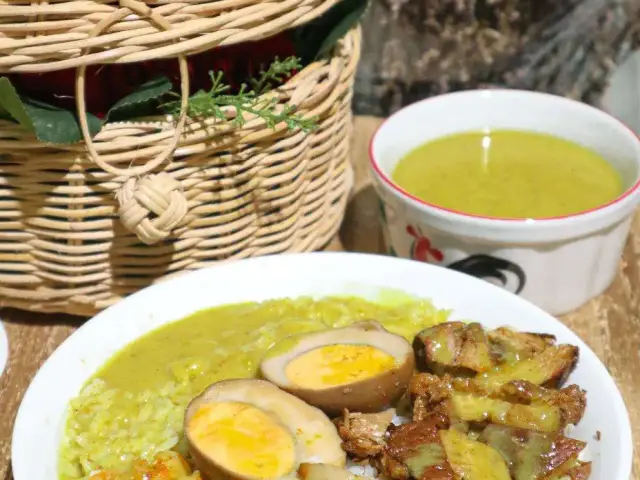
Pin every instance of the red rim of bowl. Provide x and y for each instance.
(403, 192)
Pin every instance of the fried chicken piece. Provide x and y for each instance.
(463, 349)
(363, 434)
(439, 346)
(415, 451)
(510, 345)
(571, 400)
(453, 347)
(475, 353)
(430, 393)
(549, 368)
(536, 456)
(518, 404)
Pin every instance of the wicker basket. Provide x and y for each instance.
(83, 225)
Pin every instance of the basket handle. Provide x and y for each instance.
(143, 11)
(151, 206)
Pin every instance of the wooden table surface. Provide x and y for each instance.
(609, 324)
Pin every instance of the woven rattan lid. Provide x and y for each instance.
(43, 37)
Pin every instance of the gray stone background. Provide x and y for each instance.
(413, 49)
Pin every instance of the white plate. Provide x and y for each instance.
(41, 416)
(4, 348)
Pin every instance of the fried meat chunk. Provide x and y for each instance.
(463, 349)
(549, 368)
(509, 345)
(415, 451)
(571, 400)
(363, 434)
(535, 455)
(518, 404)
(453, 347)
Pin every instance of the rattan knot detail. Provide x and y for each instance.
(160, 194)
(152, 206)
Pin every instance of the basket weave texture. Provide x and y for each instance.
(44, 36)
(83, 225)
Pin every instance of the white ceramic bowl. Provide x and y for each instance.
(557, 263)
(40, 420)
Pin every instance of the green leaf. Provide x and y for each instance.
(56, 125)
(50, 124)
(142, 102)
(318, 37)
(11, 103)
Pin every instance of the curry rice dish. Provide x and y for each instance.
(324, 389)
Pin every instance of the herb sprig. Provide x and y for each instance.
(248, 100)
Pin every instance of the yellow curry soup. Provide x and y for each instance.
(508, 174)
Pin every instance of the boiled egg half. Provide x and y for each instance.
(362, 368)
(252, 430)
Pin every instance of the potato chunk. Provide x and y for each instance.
(473, 460)
(472, 408)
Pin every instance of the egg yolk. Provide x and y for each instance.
(243, 439)
(334, 365)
